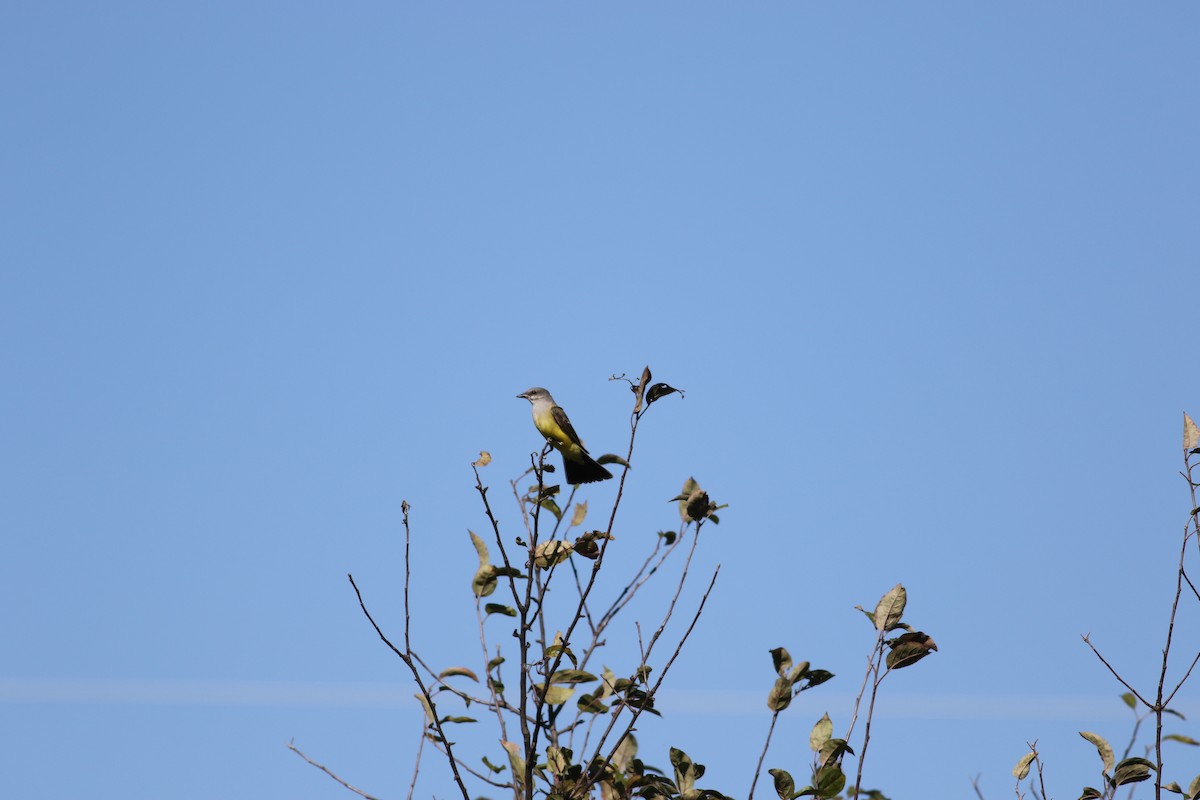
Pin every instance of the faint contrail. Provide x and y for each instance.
(279, 694)
(300, 694)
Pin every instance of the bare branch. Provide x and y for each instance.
(762, 756)
(417, 764)
(1191, 585)
(292, 746)
(407, 659)
(1182, 681)
(1087, 640)
(637, 711)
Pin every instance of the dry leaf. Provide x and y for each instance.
(1191, 434)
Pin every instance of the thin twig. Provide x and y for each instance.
(640, 577)
(468, 698)
(862, 690)
(407, 659)
(1191, 585)
(1137, 724)
(292, 746)
(637, 710)
(1087, 640)
(862, 756)
(678, 589)
(530, 736)
(417, 765)
(407, 566)
(468, 769)
(498, 703)
(762, 756)
(1182, 681)
(1041, 780)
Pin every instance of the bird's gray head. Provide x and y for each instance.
(536, 394)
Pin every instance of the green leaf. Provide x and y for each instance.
(556, 647)
(890, 608)
(458, 671)
(572, 676)
(636, 698)
(612, 458)
(821, 733)
(685, 770)
(516, 761)
(1102, 747)
(781, 660)
(558, 759)
(784, 785)
(780, 696)
(484, 582)
(1174, 713)
(1132, 770)
(551, 506)
(689, 486)
(830, 780)
(590, 704)
(480, 548)
(1021, 770)
(660, 390)
(491, 766)
(587, 549)
(497, 608)
(1090, 794)
(816, 677)
(1194, 787)
(495, 662)
(425, 705)
(607, 678)
(625, 752)
(798, 672)
(458, 719)
(1175, 737)
(555, 695)
(698, 505)
(832, 750)
(909, 648)
(1130, 699)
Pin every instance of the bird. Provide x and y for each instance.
(552, 422)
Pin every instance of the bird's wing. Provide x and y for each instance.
(560, 418)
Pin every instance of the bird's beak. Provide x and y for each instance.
(524, 396)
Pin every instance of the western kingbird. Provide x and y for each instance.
(552, 422)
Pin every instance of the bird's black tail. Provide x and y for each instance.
(584, 469)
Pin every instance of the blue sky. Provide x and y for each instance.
(926, 271)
